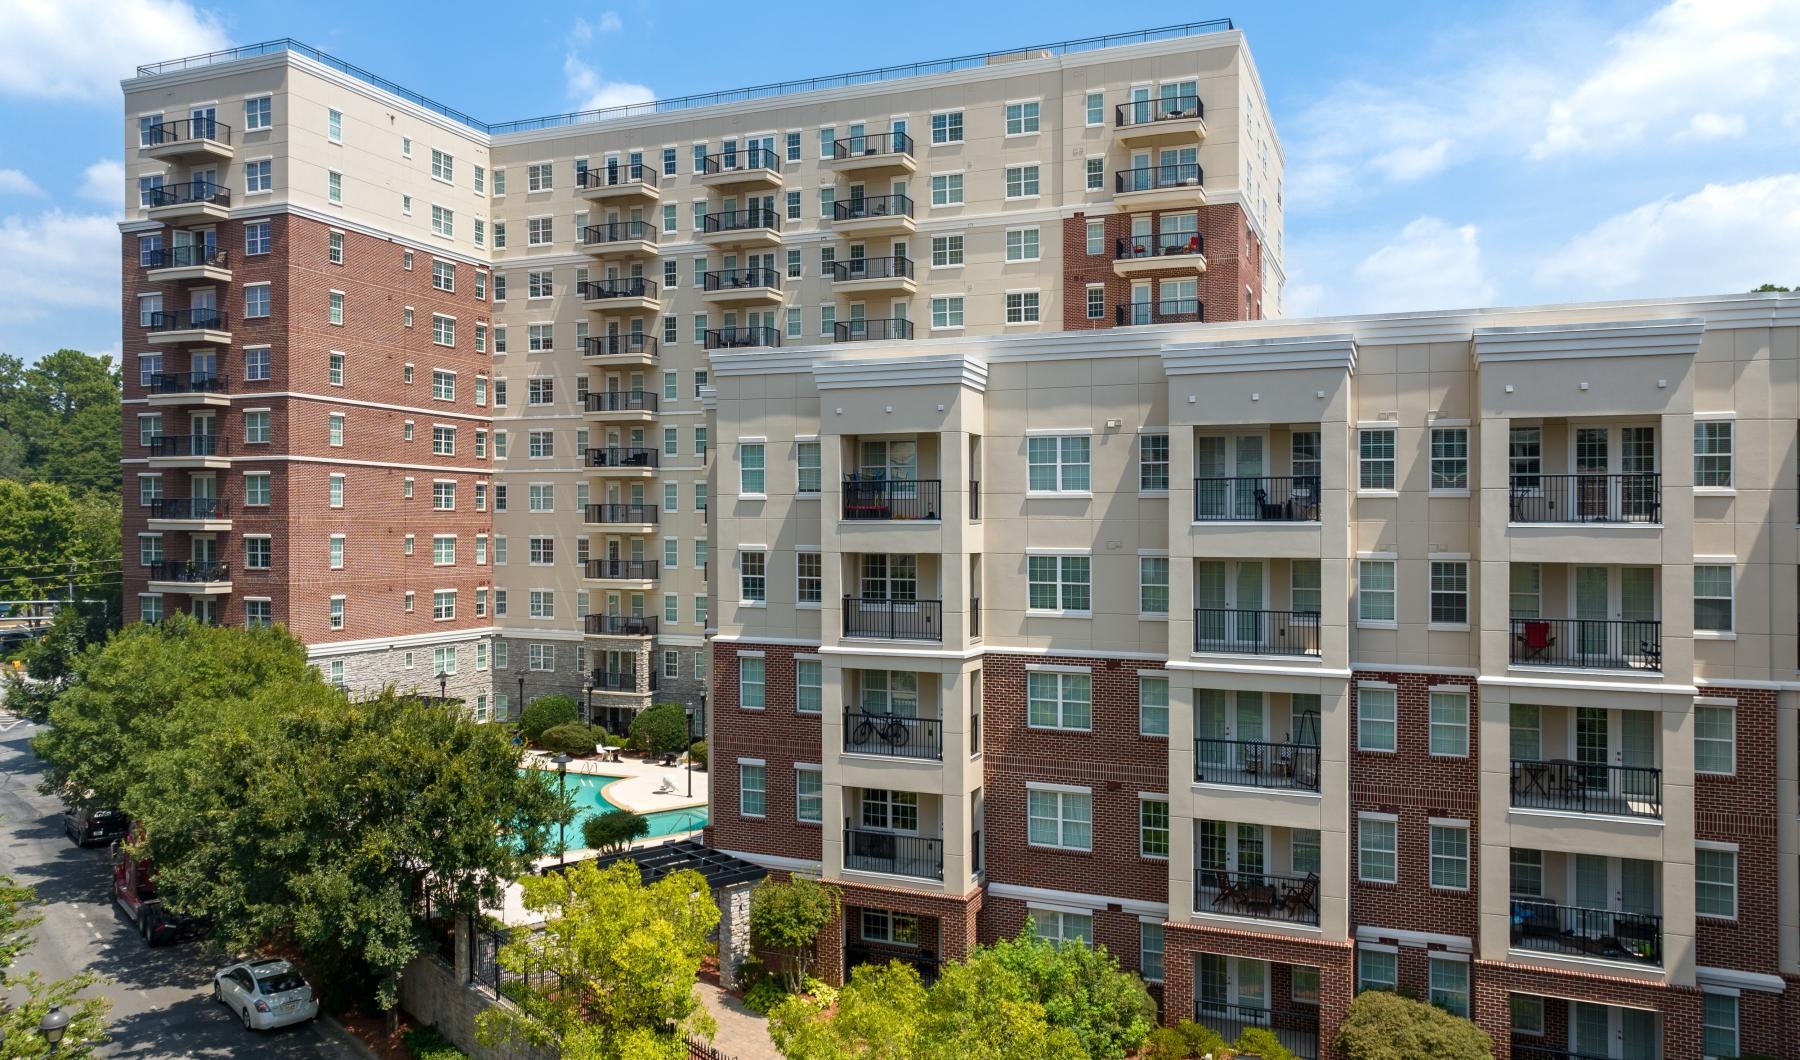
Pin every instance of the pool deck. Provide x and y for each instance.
(635, 790)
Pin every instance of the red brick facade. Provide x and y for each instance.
(778, 735)
(1233, 263)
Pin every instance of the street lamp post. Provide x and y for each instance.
(520, 674)
(53, 1026)
(443, 684)
(587, 698)
(562, 789)
(688, 709)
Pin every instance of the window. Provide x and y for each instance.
(256, 301)
(480, 179)
(1715, 883)
(811, 584)
(809, 686)
(1096, 174)
(260, 176)
(539, 176)
(1021, 118)
(150, 607)
(334, 369)
(1022, 244)
(1450, 985)
(1525, 588)
(1712, 454)
(1153, 706)
(1096, 108)
(1060, 818)
(258, 613)
(256, 488)
(1304, 592)
(1153, 463)
(542, 604)
(751, 472)
(1715, 740)
(947, 311)
(336, 616)
(443, 441)
(1150, 951)
(753, 582)
(256, 364)
(334, 431)
(1375, 591)
(443, 221)
(1526, 1012)
(809, 800)
(752, 800)
(1449, 458)
(1377, 969)
(259, 553)
(1376, 723)
(669, 161)
(1375, 459)
(791, 146)
(335, 308)
(443, 550)
(1712, 598)
(443, 167)
(335, 248)
(1449, 592)
(946, 251)
(750, 682)
(1096, 301)
(947, 189)
(1153, 585)
(1376, 850)
(540, 497)
(809, 471)
(1449, 723)
(256, 426)
(334, 186)
(540, 390)
(540, 283)
(1059, 927)
(256, 237)
(947, 128)
(1058, 584)
(1153, 828)
(539, 231)
(1719, 1025)
(334, 126)
(443, 604)
(1303, 851)
(1021, 182)
(1058, 464)
(1450, 856)
(443, 385)
(1060, 700)
(258, 114)
(443, 275)
(443, 496)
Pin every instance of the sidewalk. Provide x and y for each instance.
(743, 1034)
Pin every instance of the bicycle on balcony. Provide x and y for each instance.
(890, 730)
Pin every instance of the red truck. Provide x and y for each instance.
(134, 889)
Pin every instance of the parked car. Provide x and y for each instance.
(266, 994)
(95, 825)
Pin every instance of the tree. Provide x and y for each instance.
(1769, 287)
(624, 957)
(614, 830)
(1081, 988)
(788, 917)
(1382, 1025)
(545, 713)
(60, 420)
(19, 1020)
(660, 729)
(51, 538)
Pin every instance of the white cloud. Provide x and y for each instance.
(57, 262)
(609, 22)
(1413, 163)
(13, 182)
(1428, 264)
(591, 93)
(1716, 126)
(1724, 237)
(1684, 62)
(80, 49)
(104, 181)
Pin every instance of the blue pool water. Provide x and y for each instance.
(585, 790)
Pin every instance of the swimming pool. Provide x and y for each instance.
(585, 790)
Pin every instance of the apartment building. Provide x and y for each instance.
(428, 390)
(1450, 652)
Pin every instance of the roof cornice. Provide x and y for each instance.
(1262, 355)
(1556, 342)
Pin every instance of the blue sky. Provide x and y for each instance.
(1438, 155)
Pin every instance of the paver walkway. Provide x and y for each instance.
(742, 1033)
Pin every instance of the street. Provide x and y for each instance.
(162, 998)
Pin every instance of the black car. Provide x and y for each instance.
(95, 826)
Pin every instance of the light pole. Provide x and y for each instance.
(52, 1027)
(562, 789)
(520, 674)
(688, 710)
(587, 698)
(443, 683)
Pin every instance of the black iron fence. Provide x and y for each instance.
(617, 287)
(887, 143)
(1257, 764)
(1151, 111)
(883, 499)
(1633, 498)
(633, 344)
(869, 616)
(187, 193)
(621, 401)
(882, 268)
(756, 278)
(741, 337)
(1283, 499)
(893, 853)
(1262, 895)
(187, 445)
(186, 383)
(1588, 643)
(1163, 245)
(1582, 787)
(622, 625)
(183, 130)
(740, 221)
(1159, 178)
(185, 320)
(176, 570)
(622, 569)
(1611, 934)
(753, 158)
(893, 736)
(188, 508)
(619, 232)
(485, 967)
(618, 174)
(1161, 311)
(622, 513)
(623, 456)
(865, 207)
(1225, 629)
(874, 329)
(187, 256)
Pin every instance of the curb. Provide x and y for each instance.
(333, 1030)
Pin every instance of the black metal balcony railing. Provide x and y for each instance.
(893, 853)
(1266, 499)
(1607, 933)
(1257, 764)
(1159, 178)
(872, 616)
(619, 232)
(893, 736)
(892, 499)
(1588, 643)
(188, 192)
(187, 256)
(619, 287)
(636, 570)
(1633, 498)
(1582, 787)
(748, 160)
(1263, 895)
(186, 320)
(185, 129)
(887, 143)
(621, 401)
(740, 279)
(623, 456)
(1151, 111)
(875, 329)
(867, 206)
(622, 625)
(186, 383)
(181, 570)
(1163, 245)
(1162, 311)
(632, 343)
(188, 508)
(1296, 1029)
(619, 681)
(187, 445)
(618, 175)
(1223, 629)
(883, 268)
(739, 338)
(740, 221)
(622, 513)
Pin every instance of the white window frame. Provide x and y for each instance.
(1389, 825)
(1391, 710)
(1064, 796)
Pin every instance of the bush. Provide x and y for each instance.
(1164, 1043)
(660, 729)
(425, 1043)
(1262, 1042)
(787, 918)
(697, 754)
(762, 997)
(1385, 1026)
(1082, 990)
(547, 712)
(571, 738)
(1201, 1040)
(615, 830)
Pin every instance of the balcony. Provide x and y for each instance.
(189, 513)
(621, 625)
(1257, 764)
(1236, 632)
(873, 215)
(620, 239)
(187, 140)
(1169, 186)
(755, 285)
(622, 404)
(1160, 253)
(740, 338)
(1170, 117)
(892, 499)
(190, 576)
(619, 514)
(875, 329)
(171, 327)
(753, 168)
(1587, 499)
(1159, 311)
(616, 181)
(186, 388)
(192, 261)
(631, 348)
(624, 461)
(893, 736)
(1588, 788)
(872, 152)
(1588, 643)
(188, 450)
(884, 619)
(621, 570)
(893, 854)
(620, 681)
(857, 275)
(754, 226)
(1258, 895)
(189, 202)
(1608, 934)
(1280, 499)
(1296, 1029)
(629, 293)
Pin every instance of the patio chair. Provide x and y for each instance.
(1228, 891)
(1265, 510)
(1303, 897)
(1535, 640)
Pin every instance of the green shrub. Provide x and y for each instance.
(1201, 1039)
(1164, 1043)
(614, 830)
(1262, 1042)
(547, 712)
(425, 1043)
(697, 753)
(660, 729)
(1082, 990)
(571, 738)
(1385, 1026)
(765, 995)
(786, 918)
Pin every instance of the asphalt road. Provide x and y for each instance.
(162, 998)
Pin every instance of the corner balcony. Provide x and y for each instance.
(874, 275)
(887, 500)
(1257, 764)
(741, 338)
(635, 294)
(872, 153)
(893, 736)
(1159, 311)
(632, 348)
(754, 286)
(189, 202)
(622, 573)
(1544, 926)
(879, 618)
(186, 388)
(752, 227)
(1586, 499)
(1168, 187)
(189, 450)
(753, 169)
(623, 461)
(190, 576)
(1257, 895)
(1261, 499)
(870, 215)
(1136, 255)
(625, 518)
(1587, 643)
(893, 853)
(1564, 786)
(620, 238)
(1223, 630)
(622, 405)
(189, 513)
(620, 182)
(200, 327)
(872, 329)
(193, 261)
(1168, 118)
(620, 625)
(187, 140)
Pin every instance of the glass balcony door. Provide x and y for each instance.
(890, 692)
(1605, 593)
(1616, 1033)
(1228, 601)
(1224, 721)
(1220, 459)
